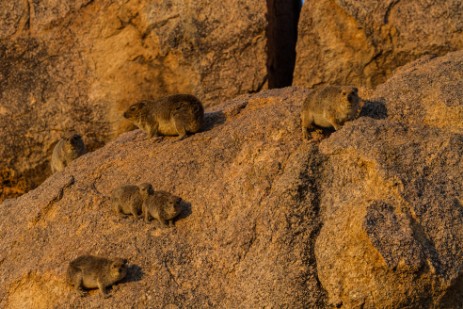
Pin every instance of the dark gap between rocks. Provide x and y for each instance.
(282, 18)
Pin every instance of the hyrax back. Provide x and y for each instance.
(128, 199)
(330, 107)
(91, 272)
(171, 115)
(68, 148)
(163, 207)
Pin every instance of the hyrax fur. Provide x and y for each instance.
(330, 107)
(91, 272)
(163, 207)
(68, 148)
(128, 199)
(171, 115)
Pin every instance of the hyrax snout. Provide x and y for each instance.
(91, 272)
(163, 207)
(68, 148)
(177, 114)
(128, 199)
(330, 107)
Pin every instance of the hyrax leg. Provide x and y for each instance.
(306, 124)
(134, 212)
(154, 131)
(116, 208)
(102, 289)
(334, 123)
(162, 222)
(305, 133)
(147, 215)
(180, 127)
(78, 284)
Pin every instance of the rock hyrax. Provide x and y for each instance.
(91, 272)
(171, 115)
(163, 207)
(68, 148)
(128, 199)
(330, 107)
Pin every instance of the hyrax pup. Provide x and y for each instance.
(91, 272)
(171, 115)
(69, 148)
(128, 199)
(163, 207)
(330, 107)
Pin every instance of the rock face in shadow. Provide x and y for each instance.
(362, 42)
(246, 238)
(392, 196)
(79, 64)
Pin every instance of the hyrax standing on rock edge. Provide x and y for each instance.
(163, 207)
(128, 199)
(69, 148)
(330, 107)
(93, 272)
(171, 115)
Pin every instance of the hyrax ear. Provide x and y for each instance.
(137, 106)
(118, 263)
(141, 104)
